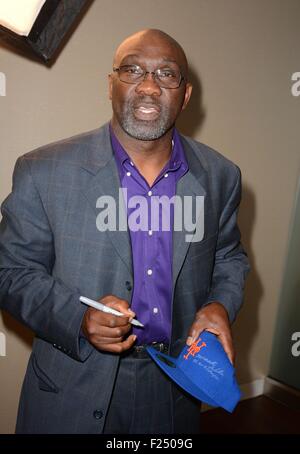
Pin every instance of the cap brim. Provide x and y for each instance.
(169, 366)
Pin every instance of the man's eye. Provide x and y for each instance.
(167, 74)
(132, 70)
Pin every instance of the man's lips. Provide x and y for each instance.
(145, 111)
(147, 107)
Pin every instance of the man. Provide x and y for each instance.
(89, 371)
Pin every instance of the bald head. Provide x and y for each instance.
(155, 42)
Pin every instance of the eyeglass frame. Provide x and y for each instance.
(145, 74)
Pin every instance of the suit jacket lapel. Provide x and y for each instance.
(105, 182)
(191, 184)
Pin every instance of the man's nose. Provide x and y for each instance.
(149, 85)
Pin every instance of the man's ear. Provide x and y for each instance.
(110, 86)
(187, 95)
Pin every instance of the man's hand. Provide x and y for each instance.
(213, 318)
(108, 332)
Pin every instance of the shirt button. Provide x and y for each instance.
(149, 272)
(166, 175)
(128, 285)
(155, 310)
(149, 193)
(150, 232)
(128, 174)
(131, 163)
(98, 414)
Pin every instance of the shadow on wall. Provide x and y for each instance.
(246, 325)
(193, 117)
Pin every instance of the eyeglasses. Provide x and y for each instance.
(165, 78)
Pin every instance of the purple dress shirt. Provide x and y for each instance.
(151, 249)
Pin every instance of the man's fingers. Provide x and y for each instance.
(121, 306)
(128, 343)
(224, 339)
(111, 333)
(227, 344)
(107, 331)
(196, 329)
(120, 346)
(99, 341)
(109, 320)
(194, 332)
(213, 331)
(213, 318)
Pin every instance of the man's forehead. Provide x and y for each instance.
(154, 46)
(148, 54)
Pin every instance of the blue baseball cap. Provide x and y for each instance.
(203, 370)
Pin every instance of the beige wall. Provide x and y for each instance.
(242, 54)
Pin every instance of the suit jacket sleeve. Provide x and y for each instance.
(28, 291)
(231, 262)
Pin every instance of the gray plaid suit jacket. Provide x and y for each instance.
(51, 252)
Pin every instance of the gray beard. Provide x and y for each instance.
(144, 129)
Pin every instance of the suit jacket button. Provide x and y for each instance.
(98, 414)
(128, 285)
